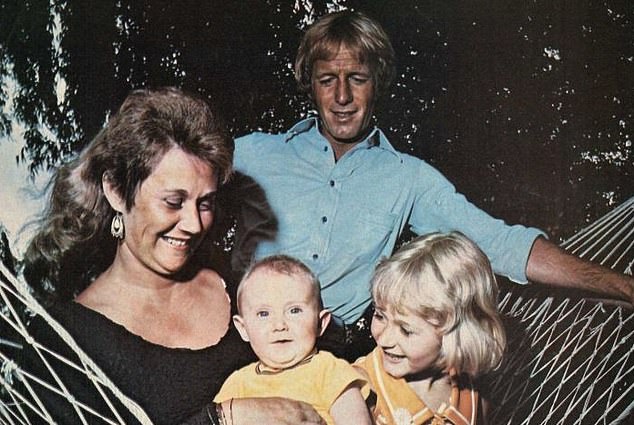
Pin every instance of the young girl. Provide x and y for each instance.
(436, 326)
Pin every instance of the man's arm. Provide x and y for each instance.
(551, 265)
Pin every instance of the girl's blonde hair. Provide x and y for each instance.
(447, 280)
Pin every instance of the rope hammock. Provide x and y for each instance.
(570, 361)
(18, 403)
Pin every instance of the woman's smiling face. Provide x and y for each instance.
(173, 210)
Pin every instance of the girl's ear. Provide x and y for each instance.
(239, 324)
(324, 320)
(111, 194)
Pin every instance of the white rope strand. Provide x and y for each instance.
(19, 289)
(571, 361)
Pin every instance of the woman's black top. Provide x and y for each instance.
(170, 384)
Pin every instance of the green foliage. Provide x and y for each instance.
(28, 56)
(525, 107)
(6, 256)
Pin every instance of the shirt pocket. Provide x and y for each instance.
(369, 236)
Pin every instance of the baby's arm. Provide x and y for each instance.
(350, 408)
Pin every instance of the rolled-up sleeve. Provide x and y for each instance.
(438, 207)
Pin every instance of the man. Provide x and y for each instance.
(334, 193)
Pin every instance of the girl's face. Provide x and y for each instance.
(409, 343)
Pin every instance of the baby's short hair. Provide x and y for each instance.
(447, 280)
(284, 264)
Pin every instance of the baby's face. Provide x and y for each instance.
(409, 344)
(280, 317)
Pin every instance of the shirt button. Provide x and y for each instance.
(324, 219)
(332, 183)
(325, 148)
(315, 256)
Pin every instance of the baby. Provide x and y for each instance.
(436, 326)
(280, 313)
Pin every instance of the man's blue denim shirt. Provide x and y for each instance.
(341, 218)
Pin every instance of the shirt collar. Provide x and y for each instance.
(376, 138)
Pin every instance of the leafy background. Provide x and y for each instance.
(525, 106)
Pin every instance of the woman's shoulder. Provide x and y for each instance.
(208, 289)
(68, 314)
(65, 325)
(81, 322)
(208, 279)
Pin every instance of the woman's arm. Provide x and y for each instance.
(257, 411)
(350, 408)
(273, 410)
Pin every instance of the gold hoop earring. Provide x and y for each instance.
(116, 227)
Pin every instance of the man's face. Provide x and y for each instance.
(343, 91)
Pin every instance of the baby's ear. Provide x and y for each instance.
(239, 324)
(324, 320)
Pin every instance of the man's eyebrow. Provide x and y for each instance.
(326, 72)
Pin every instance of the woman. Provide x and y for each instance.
(122, 236)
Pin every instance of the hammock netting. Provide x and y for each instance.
(570, 360)
(20, 401)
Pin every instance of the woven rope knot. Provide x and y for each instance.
(8, 370)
